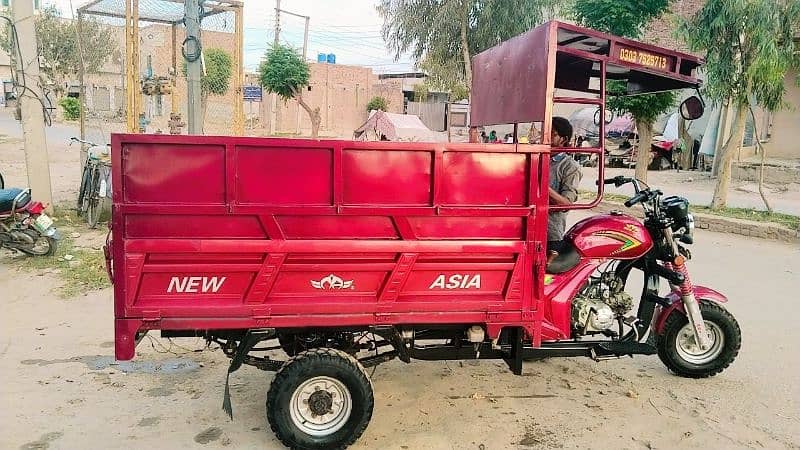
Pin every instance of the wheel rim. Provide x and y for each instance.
(320, 406)
(690, 351)
(41, 246)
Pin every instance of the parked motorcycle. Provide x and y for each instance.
(23, 224)
(689, 329)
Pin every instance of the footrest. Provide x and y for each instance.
(628, 348)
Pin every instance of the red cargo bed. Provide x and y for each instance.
(239, 233)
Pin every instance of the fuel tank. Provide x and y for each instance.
(615, 235)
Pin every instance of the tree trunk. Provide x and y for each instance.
(465, 45)
(685, 160)
(763, 160)
(726, 155)
(721, 127)
(645, 130)
(313, 114)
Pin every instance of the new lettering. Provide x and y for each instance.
(193, 285)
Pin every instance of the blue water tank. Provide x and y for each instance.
(322, 57)
(331, 58)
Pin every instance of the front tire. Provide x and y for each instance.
(320, 399)
(679, 352)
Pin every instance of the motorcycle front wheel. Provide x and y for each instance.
(679, 351)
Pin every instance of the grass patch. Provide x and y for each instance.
(85, 272)
(607, 196)
(787, 220)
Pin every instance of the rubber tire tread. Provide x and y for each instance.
(297, 369)
(82, 190)
(93, 208)
(711, 312)
(51, 250)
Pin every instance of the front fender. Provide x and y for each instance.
(700, 293)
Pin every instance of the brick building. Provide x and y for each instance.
(341, 92)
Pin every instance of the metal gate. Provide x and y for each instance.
(431, 114)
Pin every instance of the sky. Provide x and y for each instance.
(349, 29)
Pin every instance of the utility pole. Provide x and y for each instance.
(274, 113)
(305, 53)
(27, 72)
(194, 69)
(82, 79)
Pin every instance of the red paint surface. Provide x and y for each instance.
(355, 232)
(700, 293)
(604, 235)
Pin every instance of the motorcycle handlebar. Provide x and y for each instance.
(638, 198)
(83, 141)
(618, 181)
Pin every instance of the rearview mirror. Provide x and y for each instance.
(692, 108)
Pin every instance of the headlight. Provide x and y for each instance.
(688, 226)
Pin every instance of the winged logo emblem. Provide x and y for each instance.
(332, 282)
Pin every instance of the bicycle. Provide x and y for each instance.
(94, 186)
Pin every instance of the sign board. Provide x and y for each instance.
(252, 93)
(645, 58)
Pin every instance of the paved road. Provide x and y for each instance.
(57, 133)
(61, 388)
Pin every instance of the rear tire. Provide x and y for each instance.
(44, 246)
(93, 203)
(677, 350)
(320, 399)
(85, 179)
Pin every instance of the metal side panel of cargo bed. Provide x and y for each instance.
(228, 232)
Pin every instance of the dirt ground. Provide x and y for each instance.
(62, 388)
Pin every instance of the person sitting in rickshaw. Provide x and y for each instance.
(565, 177)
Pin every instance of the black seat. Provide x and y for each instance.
(568, 257)
(7, 197)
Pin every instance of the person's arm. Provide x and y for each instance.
(558, 199)
(570, 180)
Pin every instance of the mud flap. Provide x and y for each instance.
(248, 342)
(514, 359)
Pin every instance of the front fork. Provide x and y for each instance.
(690, 304)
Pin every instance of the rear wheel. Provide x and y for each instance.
(93, 199)
(679, 351)
(82, 192)
(42, 245)
(320, 399)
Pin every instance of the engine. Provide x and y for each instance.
(598, 305)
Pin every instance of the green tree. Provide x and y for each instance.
(71, 108)
(284, 73)
(628, 19)
(377, 103)
(58, 47)
(749, 48)
(438, 33)
(217, 79)
(219, 69)
(421, 92)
